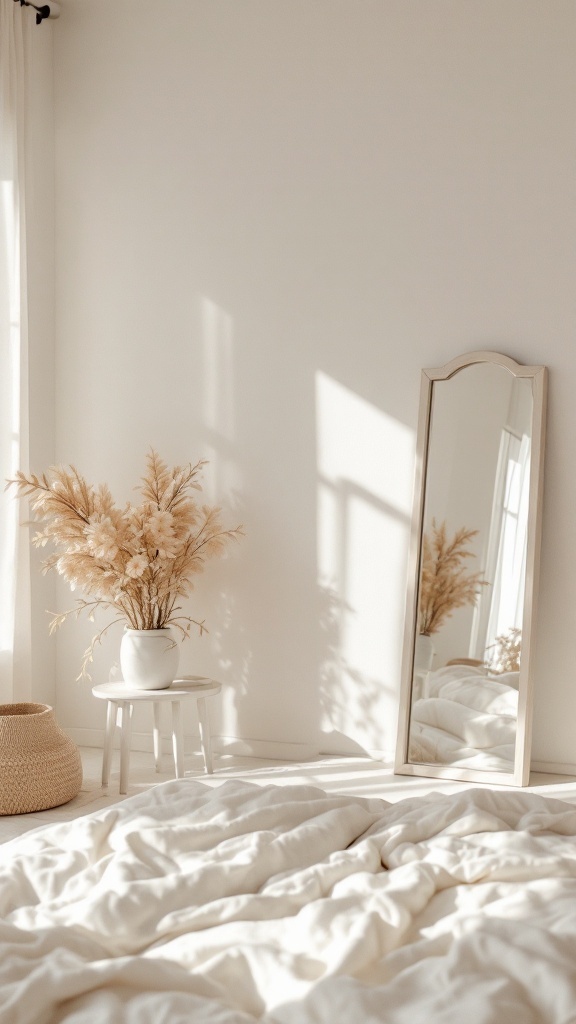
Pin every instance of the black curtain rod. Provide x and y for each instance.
(51, 10)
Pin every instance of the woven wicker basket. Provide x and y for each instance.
(40, 766)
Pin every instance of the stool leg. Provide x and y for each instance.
(177, 739)
(126, 727)
(205, 739)
(157, 735)
(108, 741)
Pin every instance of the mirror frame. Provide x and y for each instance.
(521, 773)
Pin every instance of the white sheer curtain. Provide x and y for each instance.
(14, 541)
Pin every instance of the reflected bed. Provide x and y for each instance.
(466, 717)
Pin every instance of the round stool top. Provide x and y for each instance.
(179, 689)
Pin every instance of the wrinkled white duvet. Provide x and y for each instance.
(467, 718)
(226, 905)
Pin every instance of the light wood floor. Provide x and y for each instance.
(358, 776)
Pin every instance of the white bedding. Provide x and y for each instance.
(239, 903)
(466, 718)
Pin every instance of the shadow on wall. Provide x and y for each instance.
(365, 466)
(306, 618)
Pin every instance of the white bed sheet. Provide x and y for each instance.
(466, 718)
(285, 905)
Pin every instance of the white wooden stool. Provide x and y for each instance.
(121, 700)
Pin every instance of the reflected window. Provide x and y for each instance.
(508, 540)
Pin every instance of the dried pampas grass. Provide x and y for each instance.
(138, 561)
(445, 584)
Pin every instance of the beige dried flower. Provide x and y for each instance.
(445, 585)
(507, 650)
(138, 561)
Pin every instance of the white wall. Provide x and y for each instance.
(269, 216)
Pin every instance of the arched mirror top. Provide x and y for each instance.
(483, 356)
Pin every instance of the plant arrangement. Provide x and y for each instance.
(445, 582)
(507, 650)
(139, 561)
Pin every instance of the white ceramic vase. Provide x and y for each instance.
(149, 658)
(423, 653)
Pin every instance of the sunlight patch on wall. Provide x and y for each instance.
(218, 400)
(361, 444)
(216, 391)
(217, 349)
(365, 462)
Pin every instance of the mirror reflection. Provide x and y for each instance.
(472, 568)
(476, 548)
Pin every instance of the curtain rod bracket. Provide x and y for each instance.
(51, 10)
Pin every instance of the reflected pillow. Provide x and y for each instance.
(511, 679)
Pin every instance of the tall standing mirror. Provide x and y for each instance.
(466, 707)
